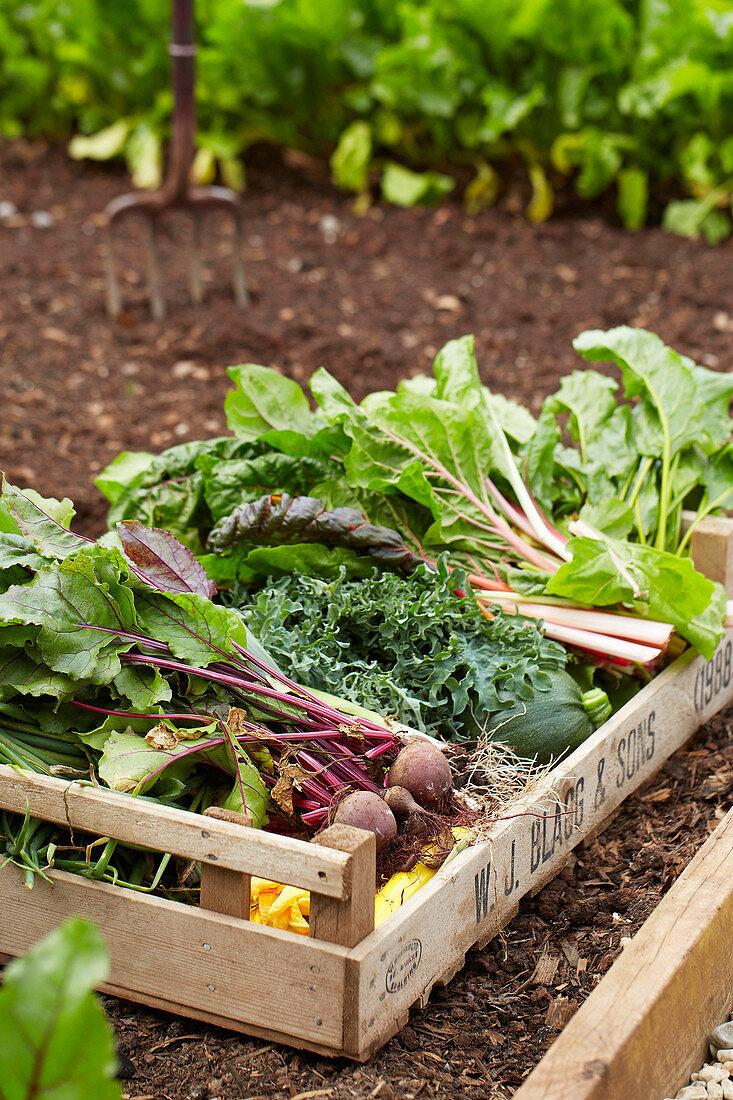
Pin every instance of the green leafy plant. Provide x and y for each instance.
(443, 463)
(607, 93)
(409, 647)
(55, 1042)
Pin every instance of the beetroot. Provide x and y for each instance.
(369, 811)
(422, 770)
(401, 802)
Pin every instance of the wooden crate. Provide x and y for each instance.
(346, 988)
(645, 1028)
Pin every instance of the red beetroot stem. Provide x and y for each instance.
(313, 710)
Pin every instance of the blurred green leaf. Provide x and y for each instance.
(603, 86)
(103, 145)
(55, 1042)
(233, 173)
(351, 157)
(543, 199)
(483, 190)
(144, 157)
(633, 196)
(203, 169)
(406, 188)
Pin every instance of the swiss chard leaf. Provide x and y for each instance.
(588, 397)
(121, 471)
(55, 1042)
(717, 479)
(663, 380)
(306, 559)
(229, 484)
(668, 412)
(282, 519)
(168, 491)
(432, 451)
(263, 401)
(668, 588)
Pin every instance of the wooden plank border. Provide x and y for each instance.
(645, 1027)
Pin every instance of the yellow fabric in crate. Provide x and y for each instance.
(279, 906)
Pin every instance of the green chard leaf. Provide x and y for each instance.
(194, 629)
(43, 520)
(25, 672)
(55, 1041)
(19, 550)
(121, 471)
(539, 457)
(668, 588)
(432, 451)
(717, 479)
(663, 380)
(135, 763)
(588, 397)
(83, 620)
(263, 401)
(307, 559)
(668, 413)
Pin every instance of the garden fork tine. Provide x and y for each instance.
(176, 190)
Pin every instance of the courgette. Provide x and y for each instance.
(554, 722)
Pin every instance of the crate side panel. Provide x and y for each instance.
(203, 960)
(475, 895)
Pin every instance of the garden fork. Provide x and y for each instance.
(176, 190)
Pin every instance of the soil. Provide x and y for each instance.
(372, 298)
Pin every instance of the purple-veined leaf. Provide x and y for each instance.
(50, 537)
(162, 560)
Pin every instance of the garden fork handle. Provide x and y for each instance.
(182, 51)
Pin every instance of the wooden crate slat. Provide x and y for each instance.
(217, 1020)
(225, 891)
(472, 897)
(187, 956)
(347, 922)
(103, 812)
(711, 549)
(645, 1028)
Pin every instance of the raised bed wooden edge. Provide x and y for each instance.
(347, 988)
(645, 1027)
